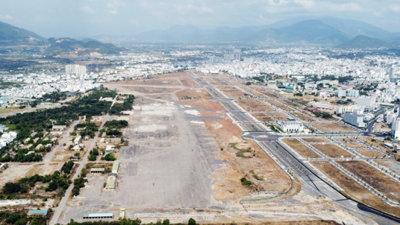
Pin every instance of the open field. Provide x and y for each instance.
(262, 117)
(316, 140)
(158, 82)
(150, 90)
(253, 105)
(259, 168)
(354, 189)
(391, 164)
(375, 178)
(374, 142)
(279, 115)
(302, 116)
(371, 153)
(199, 99)
(331, 127)
(231, 92)
(351, 143)
(15, 172)
(300, 148)
(332, 150)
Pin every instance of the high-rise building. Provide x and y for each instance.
(75, 69)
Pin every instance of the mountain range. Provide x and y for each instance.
(327, 31)
(15, 38)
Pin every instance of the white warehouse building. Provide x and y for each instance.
(292, 127)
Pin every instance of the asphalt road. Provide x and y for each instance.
(270, 145)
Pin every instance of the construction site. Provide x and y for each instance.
(191, 152)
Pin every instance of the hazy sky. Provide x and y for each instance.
(90, 18)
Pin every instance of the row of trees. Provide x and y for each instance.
(56, 181)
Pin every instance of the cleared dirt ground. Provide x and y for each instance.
(316, 140)
(375, 178)
(15, 172)
(253, 105)
(332, 150)
(330, 127)
(259, 169)
(263, 117)
(300, 148)
(231, 92)
(354, 189)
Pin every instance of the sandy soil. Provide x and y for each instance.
(231, 92)
(332, 150)
(300, 148)
(316, 140)
(331, 127)
(228, 186)
(354, 189)
(375, 178)
(263, 117)
(18, 171)
(253, 105)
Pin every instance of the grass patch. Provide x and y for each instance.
(242, 152)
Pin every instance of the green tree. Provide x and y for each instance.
(191, 221)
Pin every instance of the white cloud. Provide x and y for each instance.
(88, 10)
(395, 8)
(113, 6)
(6, 17)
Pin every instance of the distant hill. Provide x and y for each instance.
(312, 31)
(362, 41)
(325, 31)
(81, 47)
(11, 35)
(309, 31)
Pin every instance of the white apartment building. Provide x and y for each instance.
(355, 118)
(396, 128)
(75, 69)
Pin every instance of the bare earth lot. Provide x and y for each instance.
(354, 189)
(331, 127)
(300, 148)
(332, 150)
(375, 178)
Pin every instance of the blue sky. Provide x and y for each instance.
(91, 18)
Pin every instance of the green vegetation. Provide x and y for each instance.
(241, 152)
(109, 157)
(114, 133)
(93, 154)
(20, 218)
(191, 221)
(56, 181)
(245, 182)
(79, 183)
(43, 120)
(116, 124)
(344, 102)
(324, 115)
(274, 128)
(87, 129)
(67, 167)
(6, 84)
(125, 106)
